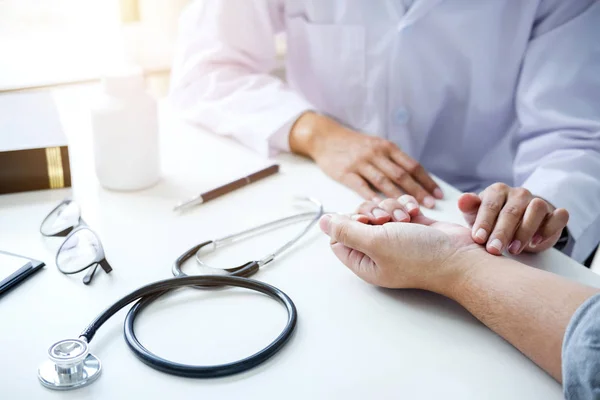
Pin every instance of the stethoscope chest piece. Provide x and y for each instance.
(69, 366)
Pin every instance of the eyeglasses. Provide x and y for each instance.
(82, 248)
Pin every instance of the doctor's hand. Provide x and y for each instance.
(503, 217)
(364, 163)
(423, 254)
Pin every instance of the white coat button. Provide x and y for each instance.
(401, 116)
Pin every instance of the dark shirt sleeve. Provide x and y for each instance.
(581, 353)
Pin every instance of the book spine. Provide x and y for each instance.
(34, 169)
(54, 167)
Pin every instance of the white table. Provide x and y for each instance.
(353, 340)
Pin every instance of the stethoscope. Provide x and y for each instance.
(251, 267)
(70, 365)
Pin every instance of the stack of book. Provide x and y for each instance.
(33, 148)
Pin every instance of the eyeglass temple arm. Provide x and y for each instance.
(91, 271)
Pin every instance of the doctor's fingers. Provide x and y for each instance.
(555, 223)
(379, 179)
(468, 204)
(550, 231)
(396, 210)
(405, 181)
(510, 217)
(527, 234)
(417, 171)
(375, 214)
(492, 201)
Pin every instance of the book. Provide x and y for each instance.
(33, 148)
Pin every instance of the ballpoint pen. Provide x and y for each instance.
(228, 187)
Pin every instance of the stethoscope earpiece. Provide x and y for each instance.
(69, 366)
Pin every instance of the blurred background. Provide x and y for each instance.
(56, 42)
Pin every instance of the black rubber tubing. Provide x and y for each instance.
(149, 293)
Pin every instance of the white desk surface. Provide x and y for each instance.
(352, 341)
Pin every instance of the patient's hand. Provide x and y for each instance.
(422, 253)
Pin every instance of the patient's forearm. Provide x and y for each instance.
(530, 308)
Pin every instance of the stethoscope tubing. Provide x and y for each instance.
(251, 267)
(149, 293)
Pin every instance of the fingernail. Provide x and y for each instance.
(537, 239)
(407, 203)
(325, 222)
(497, 244)
(400, 216)
(411, 206)
(481, 234)
(429, 202)
(438, 193)
(379, 213)
(514, 247)
(377, 199)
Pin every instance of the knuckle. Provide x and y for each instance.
(538, 205)
(492, 205)
(414, 168)
(368, 154)
(512, 211)
(379, 144)
(521, 193)
(563, 216)
(400, 175)
(499, 187)
(386, 144)
(378, 179)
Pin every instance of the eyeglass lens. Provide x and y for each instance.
(64, 216)
(80, 250)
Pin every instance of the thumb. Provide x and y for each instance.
(348, 232)
(469, 204)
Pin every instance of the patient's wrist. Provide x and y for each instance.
(457, 271)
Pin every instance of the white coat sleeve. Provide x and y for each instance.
(558, 107)
(220, 77)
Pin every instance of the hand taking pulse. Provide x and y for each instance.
(361, 162)
(442, 258)
(503, 217)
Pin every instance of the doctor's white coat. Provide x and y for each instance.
(478, 91)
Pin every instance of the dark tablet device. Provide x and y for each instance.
(15, 269)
